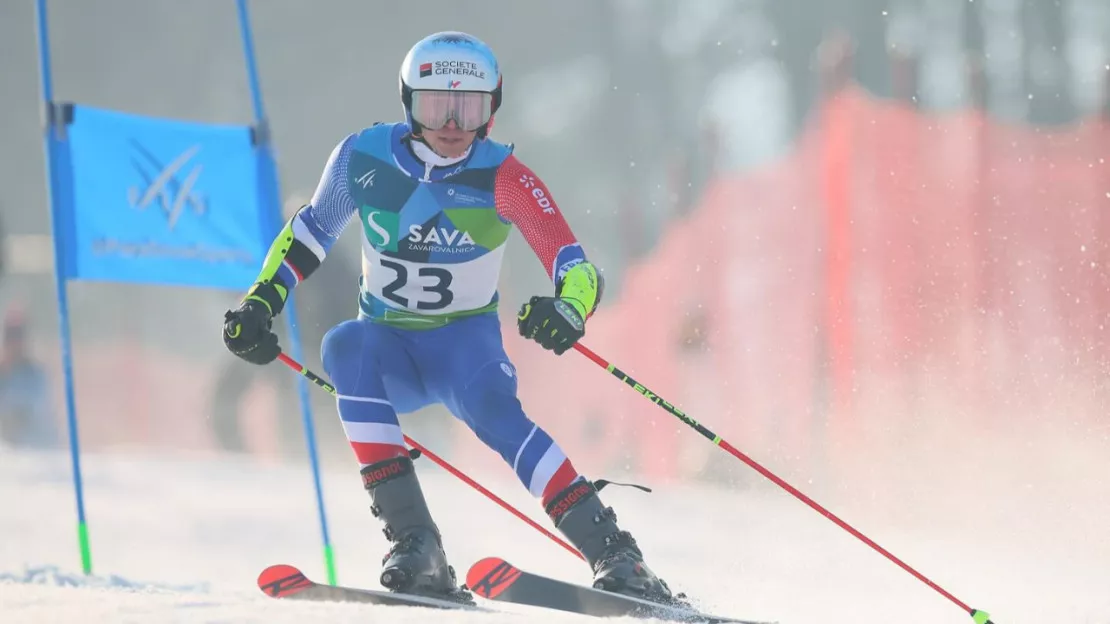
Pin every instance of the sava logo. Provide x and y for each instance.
(378, 229)
(542, 200)
(439, 239)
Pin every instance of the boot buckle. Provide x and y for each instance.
(605, 514)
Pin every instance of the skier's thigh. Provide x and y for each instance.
(356, 352)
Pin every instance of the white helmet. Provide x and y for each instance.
(450, 75)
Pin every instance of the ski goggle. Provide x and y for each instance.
(470, 109)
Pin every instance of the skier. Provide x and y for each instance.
(436, 199)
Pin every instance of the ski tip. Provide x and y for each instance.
(491, 576)
(282, 580)
(482, 569)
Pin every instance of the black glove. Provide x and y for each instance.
(247, 333)
(552, 322)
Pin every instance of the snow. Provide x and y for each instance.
(183, 538)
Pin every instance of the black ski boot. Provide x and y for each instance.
(617, 561)
(416, 562)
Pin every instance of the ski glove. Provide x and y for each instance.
(247, 332)
(551, 321)
(559, 322)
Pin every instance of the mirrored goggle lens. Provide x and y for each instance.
(469, 109)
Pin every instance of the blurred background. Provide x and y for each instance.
(864, 240)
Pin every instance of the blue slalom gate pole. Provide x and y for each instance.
(50, 139)
(270, 178)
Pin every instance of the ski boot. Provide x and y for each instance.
(616, 560)
(416, 562)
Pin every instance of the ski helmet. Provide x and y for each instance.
(450, 75)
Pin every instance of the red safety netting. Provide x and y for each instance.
(896, 269)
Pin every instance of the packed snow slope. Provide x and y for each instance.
(182, 539)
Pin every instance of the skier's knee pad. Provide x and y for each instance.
(491, 385)
(342, 346)
(489, 400)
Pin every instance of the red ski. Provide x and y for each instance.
(287, 582)
(496, 579)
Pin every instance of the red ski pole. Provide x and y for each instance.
(980, 617)
(316, 379)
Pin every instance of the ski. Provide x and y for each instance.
(289, 583)
(494, 578)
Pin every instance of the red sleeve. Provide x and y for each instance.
(523, 200)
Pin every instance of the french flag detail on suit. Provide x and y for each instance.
(541, 465)
(372, 430)
(307, 250)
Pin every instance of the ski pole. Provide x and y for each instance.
(980, 617)
(316, 379)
